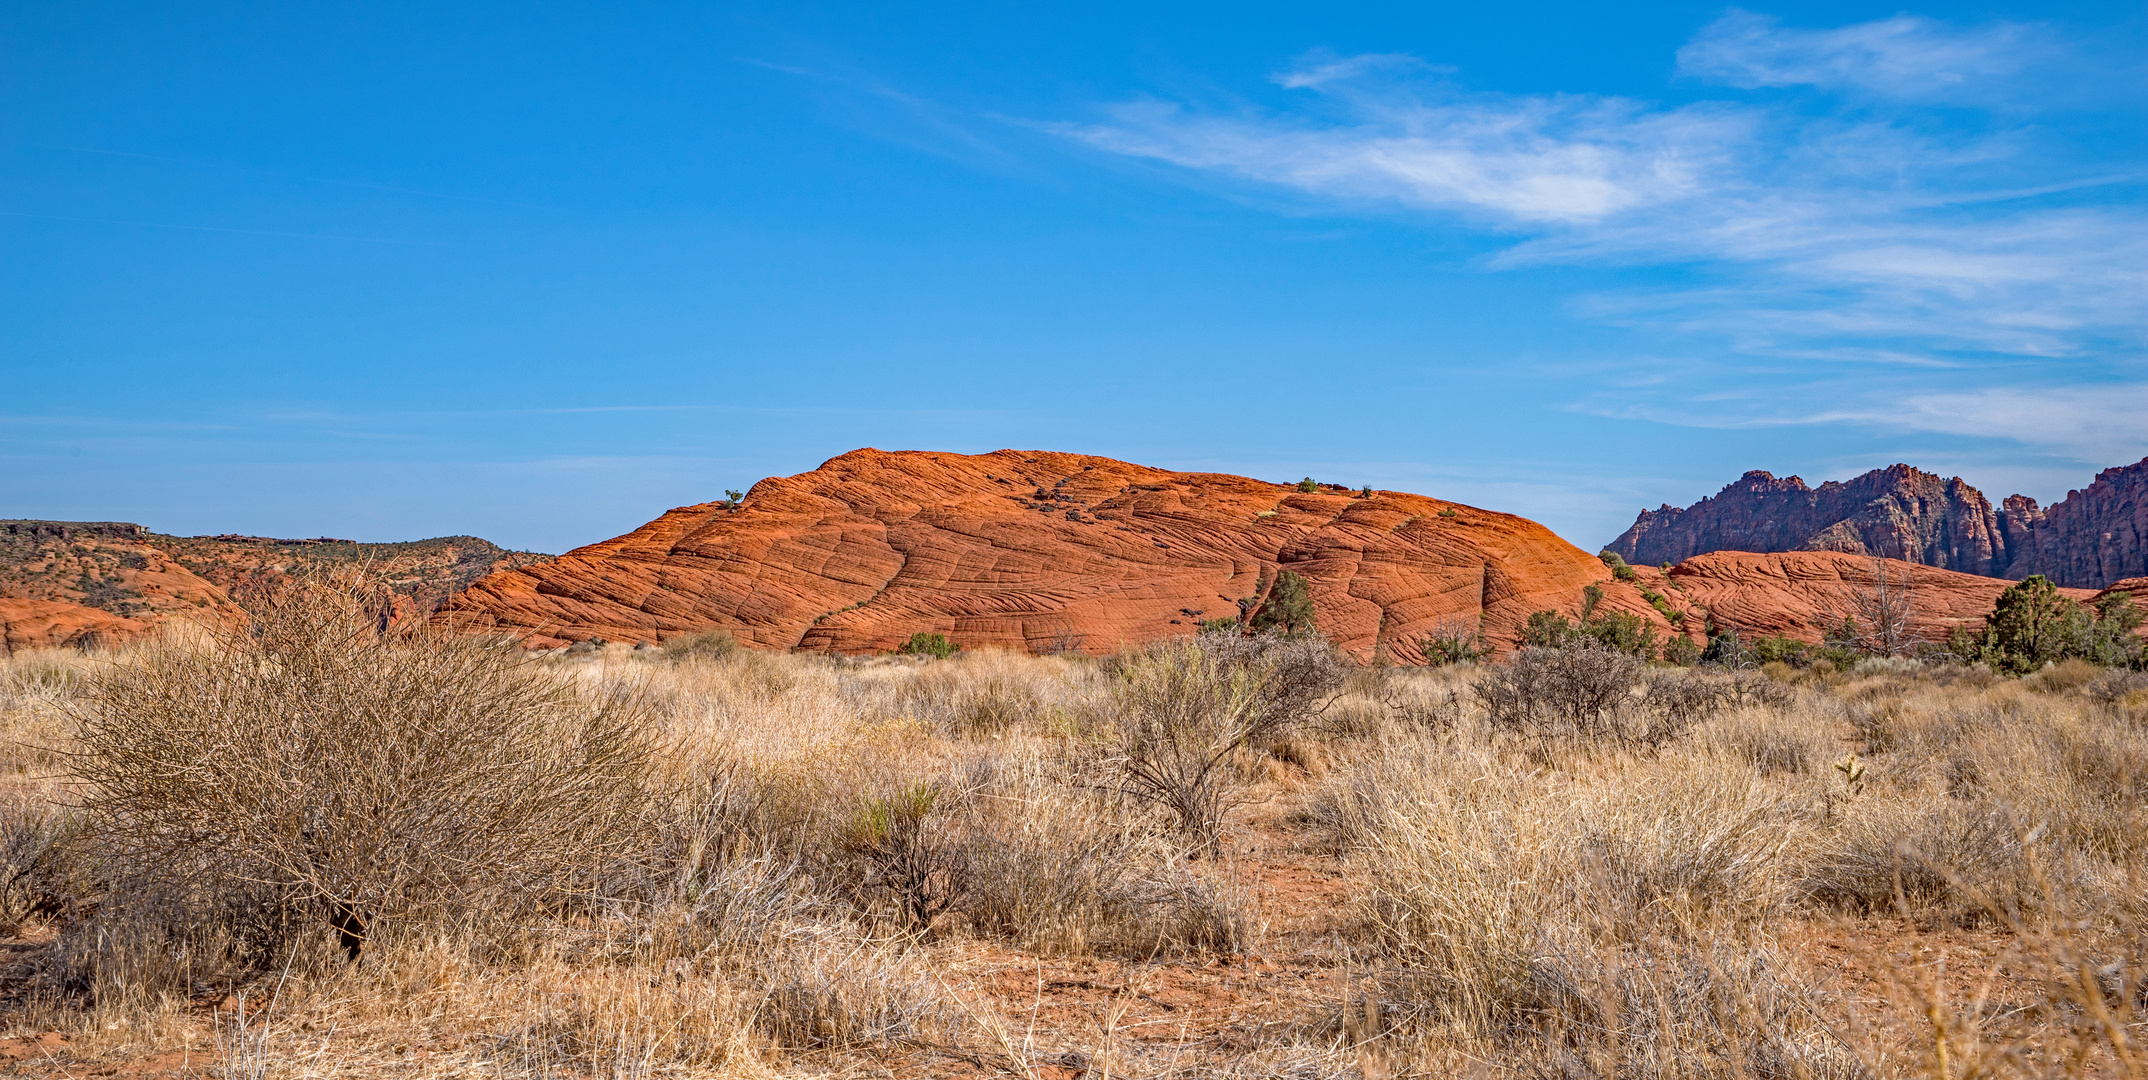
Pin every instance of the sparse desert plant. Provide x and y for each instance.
(1056, 868)
(906, 847)
(333, 773)
(1617, 564)
(707, 645)
(1180, 709)
(40, 870)
(926, 643)
(1455, 643)
(1587, 693)
(1577, 691)
(1308, 485)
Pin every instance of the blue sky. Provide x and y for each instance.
(389, 271)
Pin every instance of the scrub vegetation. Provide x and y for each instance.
(323, 848)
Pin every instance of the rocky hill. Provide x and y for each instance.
(1039, 551)
(1801, 593)
(2092, 538)
(72, 582)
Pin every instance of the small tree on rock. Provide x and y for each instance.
(1288, 609)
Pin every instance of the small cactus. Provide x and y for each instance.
(1853, 772)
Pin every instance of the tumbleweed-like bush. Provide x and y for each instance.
(324, 769)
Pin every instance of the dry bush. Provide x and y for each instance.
(2064, 677)
(976, 693)
(1057, 867)
(1181, 709)
(713, 645)
(1582, 925)
(1663, 1006)
(35, 688)
(1935, 855)
(319, 770)
(1589, 693)
(42, 870)
(1547, 693)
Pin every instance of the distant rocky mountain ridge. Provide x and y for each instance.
(2092, 538)
(67, 582)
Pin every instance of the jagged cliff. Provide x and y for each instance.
(2092, 538)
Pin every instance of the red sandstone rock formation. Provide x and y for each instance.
(125, 579)
(53, 624)
(2093, 537)
(1800, 593)
(1039, 551)
(105, 566)
(1896, 513)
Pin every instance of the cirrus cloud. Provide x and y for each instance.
(1865, 222)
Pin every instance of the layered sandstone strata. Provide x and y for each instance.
(1040, 551)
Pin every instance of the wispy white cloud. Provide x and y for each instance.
(2088, 423)
(1809, 232)
(1516, 160)
(1904, 57)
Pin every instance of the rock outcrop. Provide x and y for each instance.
(53, 624)
(427, 571)
(1801, 593)
(77, 582)
(1039, 552)
(2093, 537)
(1895, 513)
(108, 566)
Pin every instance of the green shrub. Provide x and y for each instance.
(1785, 650)
(1547, 630)
(1620, 632)
(1617, 631)
(1617, 563)
(2033, 624)
(1447, 645)
(923, 643)
(1681, 650)
(1727, 649)
(1220, 626)
(1289, 608)
(1308, 486)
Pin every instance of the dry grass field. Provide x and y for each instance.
(1213, 857)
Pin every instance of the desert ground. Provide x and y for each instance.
(325, 850)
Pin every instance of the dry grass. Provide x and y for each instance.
(920, 867)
